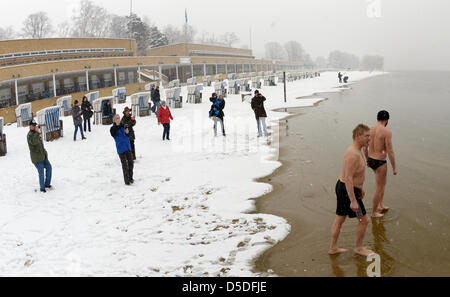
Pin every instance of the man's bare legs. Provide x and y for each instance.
(360, 233)
(381, 179)
(335, 231)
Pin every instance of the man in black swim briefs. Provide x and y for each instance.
(380, 147)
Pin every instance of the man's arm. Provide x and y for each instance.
(390, 151)
(350, 165)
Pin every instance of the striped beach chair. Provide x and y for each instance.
(174, 98)
(192, 81)
(51, 125)
(140, 105)
(174, 84)
(99, 105)
(65, 105)
(93, 96)
(119, 95)
(207, 81)
(24, 115)
(3, 149)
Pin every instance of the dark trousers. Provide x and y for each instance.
(166, 133)
(133, 149)
(88, 121)
(127, 166)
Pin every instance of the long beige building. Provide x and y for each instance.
(41, 70)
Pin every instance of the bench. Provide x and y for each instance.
(99, 105)
(24, 115)
(140, 105)
(174, 98)
(3, 148)
(65, 105)
(51, 125)
(119, 95)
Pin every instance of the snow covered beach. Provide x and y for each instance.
(185, 215)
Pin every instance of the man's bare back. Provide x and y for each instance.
(377, 145)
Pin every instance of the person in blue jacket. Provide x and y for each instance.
(216, 113)
(120, 134)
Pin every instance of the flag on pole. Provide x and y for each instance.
(186, 15)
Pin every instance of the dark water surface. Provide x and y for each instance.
(414, 237)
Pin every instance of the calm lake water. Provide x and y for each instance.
(414, 237)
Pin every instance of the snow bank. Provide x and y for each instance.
(186, 214)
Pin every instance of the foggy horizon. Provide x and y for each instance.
(411, 35)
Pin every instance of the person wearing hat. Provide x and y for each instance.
(260, 112)
(39, 157)
(123, 146)
(77, 120)
(128, 122)
(216, 113)
(164, 117)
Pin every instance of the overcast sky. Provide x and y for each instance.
(411, 34)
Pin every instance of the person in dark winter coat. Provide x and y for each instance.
(86, 109)
(107, 110)
(340, 77)
(129, 121)
(123, 146)
(156, 99)
(216, 113)
(164, 117)
(77, 120)
(260, 112)
(39, 157)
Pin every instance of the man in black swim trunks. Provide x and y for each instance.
(380, 147)
(349, 192)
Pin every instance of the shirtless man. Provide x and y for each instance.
(380, 147)
(349, 192)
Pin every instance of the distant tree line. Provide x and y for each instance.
(92, 20)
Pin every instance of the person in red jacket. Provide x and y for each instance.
(164, 117)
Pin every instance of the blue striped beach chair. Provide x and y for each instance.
(51, 125)
(65, 104)
(24, 115)
(119, 95)
(140, 105)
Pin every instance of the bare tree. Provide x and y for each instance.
(119, 27)
(229, 39)
(189, 33)
(172, 34)
(64, 29)
(6, 33)
(274, 51)
(91, 20)
(295, 51)
(342, 60)
(37, 25)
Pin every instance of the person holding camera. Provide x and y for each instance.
(129, 121)
(260, 112)
(216, 113)
(86, 109)
(120, 133)
(77, 120)
(164, 117)
(39, 157)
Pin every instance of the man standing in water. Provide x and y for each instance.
(380, 148)
(349, 192)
